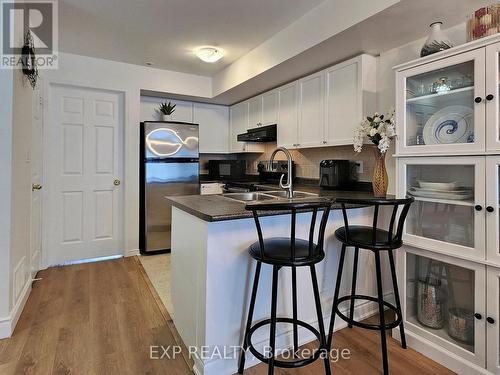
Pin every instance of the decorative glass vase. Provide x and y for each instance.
(437, 41)
(380, 180)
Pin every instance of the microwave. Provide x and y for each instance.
(227, 169)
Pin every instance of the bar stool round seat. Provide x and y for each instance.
(277, 251)
(291, 252)
(362, 236)
(377, 241)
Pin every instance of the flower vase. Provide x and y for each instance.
(166, 117)
(380, 180)
(436, 42)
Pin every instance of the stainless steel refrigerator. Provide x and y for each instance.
(169, 166)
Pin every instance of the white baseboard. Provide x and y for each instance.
(440, 355)
(8, 324)
(131, 253)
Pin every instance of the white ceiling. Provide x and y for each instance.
(165, 31)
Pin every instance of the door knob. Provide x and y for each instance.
(117, 182)
(36, 187)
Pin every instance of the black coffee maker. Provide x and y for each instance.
(335, 174)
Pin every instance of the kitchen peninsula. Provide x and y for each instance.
(212, 275)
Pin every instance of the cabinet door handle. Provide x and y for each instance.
(490, 97)
(325, 142)
(490, 209)
(478, 316)
(478, 207)
(490, 320)
(478, 99)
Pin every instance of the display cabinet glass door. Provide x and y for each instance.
(447, 215)
(441, 105)
(493, 97)
(444, 303)
(492, 209)
(492, 320)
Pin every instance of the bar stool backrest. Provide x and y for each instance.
(293, 207)
(376, 203)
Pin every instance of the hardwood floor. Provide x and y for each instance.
(101, 318)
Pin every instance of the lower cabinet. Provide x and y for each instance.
(492, 320)
(451, 308)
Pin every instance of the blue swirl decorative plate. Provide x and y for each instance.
(453, 124)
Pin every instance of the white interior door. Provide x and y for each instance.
(84, 143)
(36, 182)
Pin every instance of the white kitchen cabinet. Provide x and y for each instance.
(255, 112)
(441, 106)
(492, 320)
(238, 119)
(446, 223)
(311, 110)
(438, 289)
(492, 208)
(183, 111)
(238, 124)
(492, 97)
(350, 96)
(213, 123)
(288, 115)
(263, 109)
(270, 108)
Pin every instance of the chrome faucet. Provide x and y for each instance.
(289, 185)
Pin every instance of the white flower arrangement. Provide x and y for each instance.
(379, 129)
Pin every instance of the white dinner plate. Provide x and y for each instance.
(453, 124)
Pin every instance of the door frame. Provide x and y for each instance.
(46, 95)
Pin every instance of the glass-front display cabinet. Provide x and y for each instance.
(448, 214)
(445, 303)
(492, 320)
(440, 107)
(493, 97)
(493, 209)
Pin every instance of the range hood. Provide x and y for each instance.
(262, 134)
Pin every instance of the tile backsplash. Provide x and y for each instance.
(307, 160)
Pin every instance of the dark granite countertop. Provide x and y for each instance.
(220, 208)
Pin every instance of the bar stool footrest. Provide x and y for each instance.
(285, 364)
(374, 327)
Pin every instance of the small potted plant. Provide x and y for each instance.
(166, 110)
(380, 130)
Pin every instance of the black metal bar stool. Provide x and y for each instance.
(377, 240)
(287, 252)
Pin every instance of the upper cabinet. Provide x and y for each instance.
(444, 106)
(183, 111)
(270, 108)
(311, 110)
(329, 104)
(213, 123)
(319, 110)
(263, 109)
(239, 122)
(350, 96)
(288, 119)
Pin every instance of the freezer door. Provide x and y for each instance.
(163, 179)
(170, 140)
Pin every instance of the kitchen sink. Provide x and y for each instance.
(268, 195)
(296, 194)
(250, 196)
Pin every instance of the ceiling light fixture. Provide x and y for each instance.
(209, 54)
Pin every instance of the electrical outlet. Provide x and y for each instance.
(359, 166)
